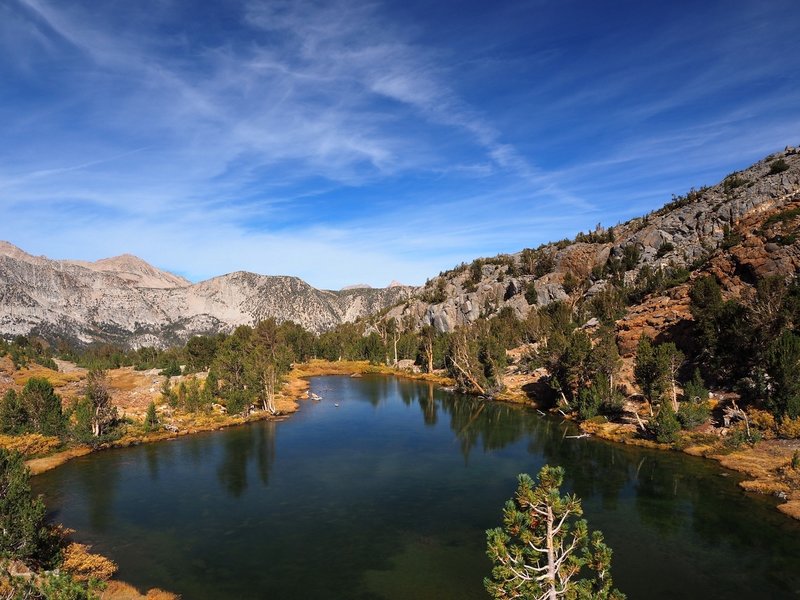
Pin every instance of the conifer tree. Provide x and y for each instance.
(23, 533)
(151, 418)
(42, 406)
(783, 363)
(666, 426)
(543, 551)
(13, 418)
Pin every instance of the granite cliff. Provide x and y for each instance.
(127, 301)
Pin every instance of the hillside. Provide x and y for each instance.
(127, 301)
(742, 229)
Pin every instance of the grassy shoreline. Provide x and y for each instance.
(766, 464)
(294, 388)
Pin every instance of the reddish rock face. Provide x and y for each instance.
(767, 248)
(658, 317)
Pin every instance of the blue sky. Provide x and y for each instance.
(360, 142)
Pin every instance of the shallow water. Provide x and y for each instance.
(389, 494)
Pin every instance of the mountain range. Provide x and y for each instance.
(740, 230)
(127, 301)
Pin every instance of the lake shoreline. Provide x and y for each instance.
(764, 464)
(418, 448)
(294, 389)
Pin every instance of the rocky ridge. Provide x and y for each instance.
(127, 301)
(741, 229)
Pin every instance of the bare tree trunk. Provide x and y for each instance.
(469, 377)
(429, 353)
(270, 384)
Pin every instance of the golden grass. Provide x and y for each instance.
(791, 508)
(119, 590)
(621, 433)
(57, 378)
(319, 367)
(30, 444)
(127, 380)
(84, 565)
(46, 463)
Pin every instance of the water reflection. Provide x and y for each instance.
(428, 405)
(240, 447)
(397, 486)
(100, 487)
(152, 453)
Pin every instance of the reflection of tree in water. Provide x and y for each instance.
(427, 403)
(593, 469)
(408, 393)
(194, 447)
(100, 479)
(474, 420)
(151, 454)
(657, 496)
(376, 389)
(254, 443)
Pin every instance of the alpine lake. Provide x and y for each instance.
(385, 488)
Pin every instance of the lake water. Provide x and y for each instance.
(389, 495)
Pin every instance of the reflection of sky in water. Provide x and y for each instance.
(389, 494)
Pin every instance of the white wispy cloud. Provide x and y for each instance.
(327, 140)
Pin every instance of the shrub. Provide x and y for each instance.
(730, 238)
(667, 426)
(531, 296)
(588, 403)
(545, 263)
(692, 414)
(763, 421)
(665, 249)
(782, 217)
(789, 428)
(738, 436)
(778, 166)
(172, 369)
(695, 390)
(236, 401)
(84, 565)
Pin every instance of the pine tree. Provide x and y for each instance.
(42, 406)
(13, 418)
(23, 533)
(544, 548)
(783, 363)
(694, 405)
(667, 426)
(167, 393)
(151, 418)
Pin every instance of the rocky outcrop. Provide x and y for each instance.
(125, 300)
(721, 226)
